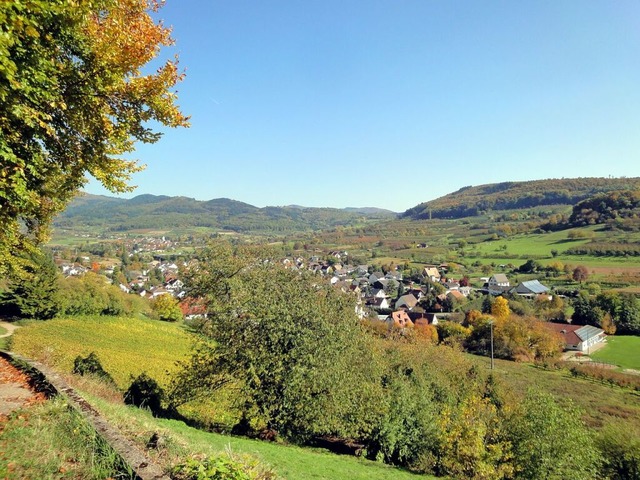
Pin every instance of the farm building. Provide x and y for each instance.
(578, 337)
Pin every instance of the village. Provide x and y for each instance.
(395, 298)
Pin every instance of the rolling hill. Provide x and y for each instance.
(478, 200)
(161, 211)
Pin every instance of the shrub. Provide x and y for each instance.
(606, 375)
(144, 392)
(90, 365)
(166, 307)
(222, 468)
(620, 448)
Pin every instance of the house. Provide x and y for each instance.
(193, 308)
(380, 283)
(379, 293)
(362, 269)
(457, 295)
(451, 285)
(466, 291)
(159, 291)
(498, 284)
(416, 292)
(377, 303)
(375, 276)
(407, 301)
(578, 337)
(400, 319)
(431, 273)
(530, 288)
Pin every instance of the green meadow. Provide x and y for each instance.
(623, 350)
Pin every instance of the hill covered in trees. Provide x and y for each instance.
(472, 201)
(161, 211)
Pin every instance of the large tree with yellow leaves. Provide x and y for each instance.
(73, 101)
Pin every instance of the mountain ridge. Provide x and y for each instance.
(162, 211)
(470, 201)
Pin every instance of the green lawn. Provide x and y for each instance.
(125, 346)
(2, 330)
(289, 462)
(620, 350)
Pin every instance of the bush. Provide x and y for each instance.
(620, 448)
(222, 468)
(606, 375)
(144, 392)
(166, 308)
(90, 365)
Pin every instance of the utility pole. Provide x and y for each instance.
(491, 327)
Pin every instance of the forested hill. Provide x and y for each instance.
(164, 212)
(472, 201)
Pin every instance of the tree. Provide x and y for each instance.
(167, 308)
(628, 318)
(73, 101)
(580, 273)
(530, 266)
(500, 308)
(293, 344)
(34, 293)
(551, 442)
(585, 311)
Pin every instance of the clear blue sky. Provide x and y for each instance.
(392, 103)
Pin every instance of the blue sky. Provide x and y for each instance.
(392, 103)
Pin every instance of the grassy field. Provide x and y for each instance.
(289, 462)
(49, 440)
(125, 346)
(620, 350)
(602, 404)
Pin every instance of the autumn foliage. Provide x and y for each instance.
(73, 100)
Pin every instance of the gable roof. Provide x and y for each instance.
(431, 272)
(500, 278)
(456, 294)
(409, 300)
(588, 331)
(530, 286)
(401, 318)
(574, 334)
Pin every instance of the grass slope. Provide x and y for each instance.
(50, 440)
(621, 350)
(125, 346)
(602, 404)
(290, 462)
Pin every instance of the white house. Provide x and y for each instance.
(498, 284)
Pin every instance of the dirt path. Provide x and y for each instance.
(15, 392)
(9, 327)
(14, 385)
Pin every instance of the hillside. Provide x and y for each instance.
(473, 201)
(160, 212)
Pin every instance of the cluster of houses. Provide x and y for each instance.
(388, 296)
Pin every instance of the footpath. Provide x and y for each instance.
(15, 392)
